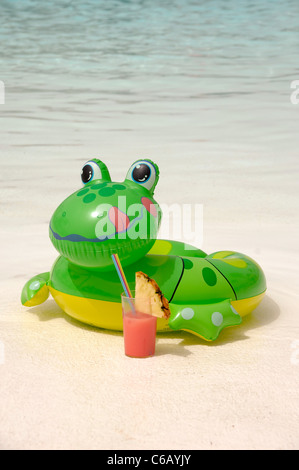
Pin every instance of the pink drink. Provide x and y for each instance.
(139, 334)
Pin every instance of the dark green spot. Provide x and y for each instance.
(187, 263)
(82, 192)
(119, 186)
(209, 276)
(89, 198)
(63, 214)
(98, 186)
(105, 192)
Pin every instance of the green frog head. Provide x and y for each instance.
(106, 217)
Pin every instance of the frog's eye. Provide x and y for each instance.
(94, 170)
(145, 173)
(90, 171)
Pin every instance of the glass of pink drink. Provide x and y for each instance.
(139, 328)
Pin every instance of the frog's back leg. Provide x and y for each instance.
(221, 307)
(205, 320)
(36, 290)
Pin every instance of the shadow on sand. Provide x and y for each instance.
(264, 314)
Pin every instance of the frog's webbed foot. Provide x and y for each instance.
(204, 320)
(36, 290)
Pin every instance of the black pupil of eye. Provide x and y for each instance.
(86, 173)
(141, 173)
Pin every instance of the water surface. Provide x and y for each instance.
(149, 71)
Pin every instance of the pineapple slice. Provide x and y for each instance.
(146, 288)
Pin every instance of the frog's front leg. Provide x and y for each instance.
(36, 290)
(204, 320)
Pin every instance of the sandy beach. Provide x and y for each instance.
(65, 385)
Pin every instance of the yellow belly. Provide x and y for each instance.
(108, 315)
(245, 306)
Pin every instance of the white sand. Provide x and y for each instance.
(64, 385)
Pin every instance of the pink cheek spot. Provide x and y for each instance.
(119, 219)
(149, 205)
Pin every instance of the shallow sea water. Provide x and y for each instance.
(151, 72)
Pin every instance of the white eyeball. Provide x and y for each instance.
(144, 173)
(90, 171)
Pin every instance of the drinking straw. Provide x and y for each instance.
(121, 274)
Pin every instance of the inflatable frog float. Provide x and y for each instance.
(206, 293)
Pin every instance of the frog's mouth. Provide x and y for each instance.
(74, 237)
(120, 221)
